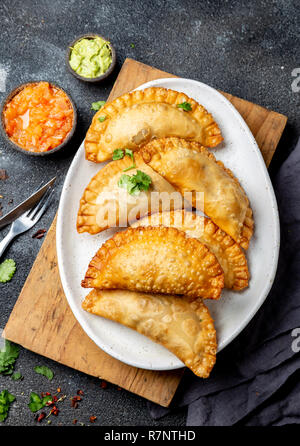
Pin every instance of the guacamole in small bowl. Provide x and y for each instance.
(91, 57)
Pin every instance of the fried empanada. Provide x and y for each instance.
(191, 168)
(105, 205)
(135, 118)
(156, 260)
(184, 328)
(227, 251)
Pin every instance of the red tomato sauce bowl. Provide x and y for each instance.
(38, 118)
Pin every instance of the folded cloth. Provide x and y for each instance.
(253, 382)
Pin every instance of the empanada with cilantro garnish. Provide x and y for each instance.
(135, 118)
(227, 251)
(156, 260)
(105, 204)
(192, 169)
(185, 328)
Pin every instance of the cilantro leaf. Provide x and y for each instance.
(97, 105)
(6, 399)
(8, 356)
(143, 180)
(129, 153)
(126, 183)
(7, 270)
(186, 106)
(132, 45)
(102, 118)
(16, 376)
(135, 183)
(118, 154)
(36, 403)
(45, 371)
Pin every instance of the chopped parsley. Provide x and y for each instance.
(186, 106)
(102, 118)
(6, 399)
(136, 183)
(36, 403)
(45, 371)
(132, 45)
(97, 105)
(7, 270)
(8, 356)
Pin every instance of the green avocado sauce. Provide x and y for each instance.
(90, 57)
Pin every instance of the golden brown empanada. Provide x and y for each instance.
(191, 168)
(184, 328)
(135, 118)
(105, 205)
(156, 260)
(227, 251)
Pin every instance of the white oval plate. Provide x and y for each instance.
(234, 310)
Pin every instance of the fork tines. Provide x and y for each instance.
(36, 212)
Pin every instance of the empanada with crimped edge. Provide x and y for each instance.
(191, 168)
(156, 260)
(135, 118)
(185, 328)
(100, 208)
(227, 251)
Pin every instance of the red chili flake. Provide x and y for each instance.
(58, 389)
(42, 394)
(47, 394)
(41, 416)
(103, 384)
(55, 398)
(55, 411)
(3, 174)
(80, 392)
(39, 234)
(75, 421)
(49, 403)
(93, 419)
(74, 402)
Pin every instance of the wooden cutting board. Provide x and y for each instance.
(42, 321)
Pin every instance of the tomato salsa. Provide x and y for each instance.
(39, 117)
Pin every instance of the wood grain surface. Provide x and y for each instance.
(42, 321)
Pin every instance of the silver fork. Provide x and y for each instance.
(26, 220)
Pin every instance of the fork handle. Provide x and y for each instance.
(6, 241)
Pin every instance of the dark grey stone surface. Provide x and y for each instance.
(246, 48)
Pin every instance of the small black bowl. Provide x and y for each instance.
(15, 145)
(91, 79)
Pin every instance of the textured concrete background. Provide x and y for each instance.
(246, 48)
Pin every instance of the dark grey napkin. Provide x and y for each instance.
(256, 378)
